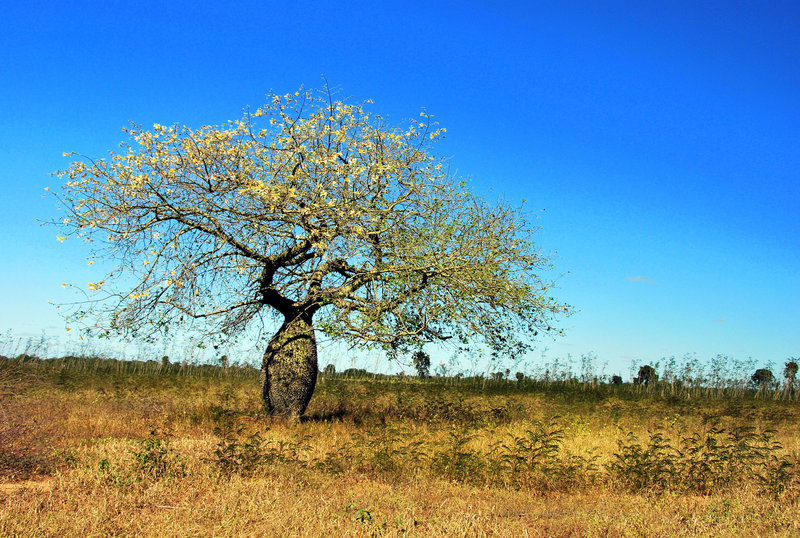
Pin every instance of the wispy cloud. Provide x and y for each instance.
(720, 320)
(639, 279)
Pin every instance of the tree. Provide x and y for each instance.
(422, 362)
(647, 375)
(330, 369)
(763, 377)
(616, 380)
(317, 212)
(790, 372)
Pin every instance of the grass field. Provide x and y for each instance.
(92, 447)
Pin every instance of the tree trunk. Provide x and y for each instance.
(289, 369)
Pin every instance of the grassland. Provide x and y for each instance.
(92, 447)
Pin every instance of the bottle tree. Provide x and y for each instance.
(314, 210)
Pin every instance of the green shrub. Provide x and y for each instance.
(156, 460)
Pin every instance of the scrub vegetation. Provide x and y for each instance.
(93, 447)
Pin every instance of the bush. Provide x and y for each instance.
(156, 459)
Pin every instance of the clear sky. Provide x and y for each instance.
(659, 146)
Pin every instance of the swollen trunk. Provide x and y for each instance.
(289, 370)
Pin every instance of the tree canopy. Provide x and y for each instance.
(307, 204)
(647, 374)
(763, 377)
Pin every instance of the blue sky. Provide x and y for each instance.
(659, 147)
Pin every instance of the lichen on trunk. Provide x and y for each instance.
(289, 368)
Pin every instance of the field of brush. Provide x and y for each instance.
(97, 447)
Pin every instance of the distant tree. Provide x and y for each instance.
(616, 380)
(647, 374)
(165, 360)
(224, 361)
(422, 362)
(330, 369)
(763, 377)
(497, 376)
(317, 212)
(790, 372)
(355, 372)
(520, 377)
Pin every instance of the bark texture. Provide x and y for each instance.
(289, 369)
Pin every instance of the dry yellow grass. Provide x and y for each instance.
(316, 505)
(91, 428)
